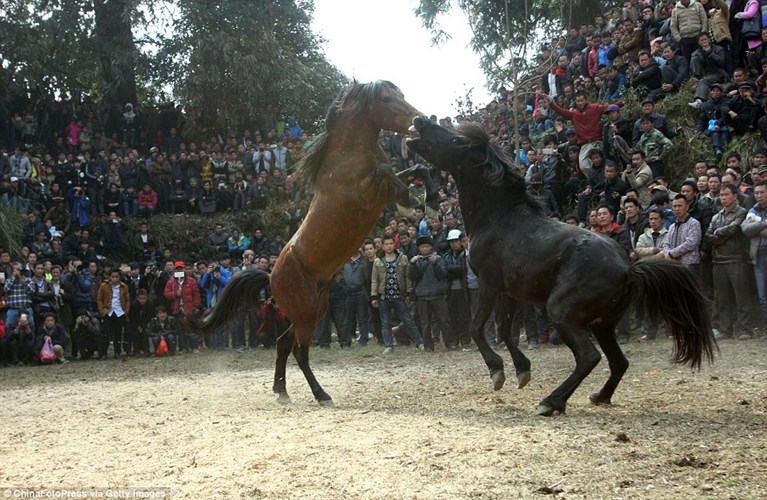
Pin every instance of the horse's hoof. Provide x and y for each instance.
(596, 399)
(498, 378)
(523, 379)
(326, 402)
(544, 411)
(283, 398)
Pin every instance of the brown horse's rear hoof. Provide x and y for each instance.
(596, 399)
(498, 378)
(544, 411)
(523, 379)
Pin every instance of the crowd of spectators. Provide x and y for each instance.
(412, 284)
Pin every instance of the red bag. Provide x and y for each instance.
(47, 354)
(162, 347)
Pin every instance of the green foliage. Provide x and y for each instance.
(11, 224)
(226, 58)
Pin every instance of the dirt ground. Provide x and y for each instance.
(408, 425)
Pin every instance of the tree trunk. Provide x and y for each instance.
(116, 50)
(578, 12)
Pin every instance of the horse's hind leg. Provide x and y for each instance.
(521, 363)
(284, 346)
(605, 335)
(493, 361)
(301, 353)
(586, 358)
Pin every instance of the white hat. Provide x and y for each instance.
(454, 234)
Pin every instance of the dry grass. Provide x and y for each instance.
(411, 425)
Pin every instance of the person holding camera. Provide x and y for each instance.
(88, 337)
(21, 340)
(428, 272)
(212, 284)
(114, 306)
(81, 206)
(164, 326)
(18, 290)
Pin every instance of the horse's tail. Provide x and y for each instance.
(673, 293)
(242, 291)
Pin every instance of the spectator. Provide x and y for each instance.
(114, 307)
(163, 326)
(217, 240)
(754, 227)
(18, 295)
(688, 20)
(713, 122)
(655, 146)
(743, 110)
(147, 201)
(54, 331)
(357, 312)
(428, 273)
(638, 175)
(390, 290)
(726, 241)
(183, 294)
(684, 236)
(707, 67)
(588, 130)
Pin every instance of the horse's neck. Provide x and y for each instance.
(480, 209)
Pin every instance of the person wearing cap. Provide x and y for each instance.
(713, 119)
(659, 121)
(708, 66)
(616, 135)
(655, 146)
(183, 295)
(114, 306)
(428, 272)
(457, 295)
(743, 110)
(164, 326)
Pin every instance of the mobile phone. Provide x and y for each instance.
(178, 274)
(548, 151)
(2, 276)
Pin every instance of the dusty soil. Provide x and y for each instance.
(410, 425)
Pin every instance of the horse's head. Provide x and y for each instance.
(384, 105)
(465, 152)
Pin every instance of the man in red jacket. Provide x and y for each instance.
(183, 294)
(588, 129)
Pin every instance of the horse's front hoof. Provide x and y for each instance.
(523, 379)
(498, 378)
(326, 402)
(283, 398)
(544, 411)
(596, 399)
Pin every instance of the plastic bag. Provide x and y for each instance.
(47, 354)
(162, 347)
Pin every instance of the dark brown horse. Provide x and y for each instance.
(352, 180)
(586, 280)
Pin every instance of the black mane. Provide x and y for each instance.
(499, 171)
(356, 96)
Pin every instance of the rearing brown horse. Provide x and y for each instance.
(352, 181)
